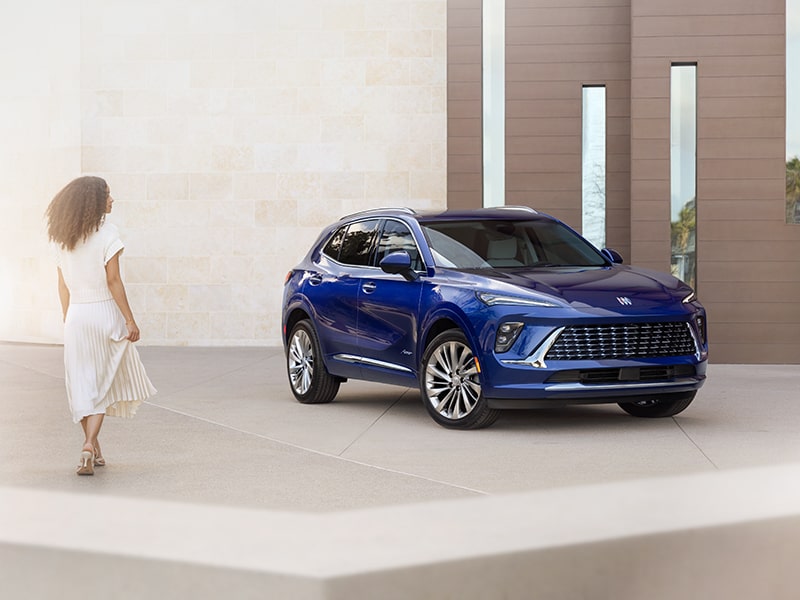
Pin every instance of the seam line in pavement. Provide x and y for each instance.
(320, 452)
(26, 367)
(699, 449)
(371, 425)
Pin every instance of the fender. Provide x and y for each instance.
(450, 312)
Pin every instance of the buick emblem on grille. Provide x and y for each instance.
(625, 301)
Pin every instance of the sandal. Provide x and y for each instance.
(99, 461)
(86, 467)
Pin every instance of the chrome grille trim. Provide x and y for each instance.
(575, 387)
(623, 341)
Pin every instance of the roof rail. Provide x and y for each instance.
(518, 207)
(369, 211)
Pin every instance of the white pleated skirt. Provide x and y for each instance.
(104, 374)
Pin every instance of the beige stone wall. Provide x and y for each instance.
(230, 132)
(39, 151)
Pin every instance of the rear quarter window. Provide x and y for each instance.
(334, 244)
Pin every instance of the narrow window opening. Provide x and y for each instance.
(683, 171)
(494, 99)
(594, 165)
(792, 111)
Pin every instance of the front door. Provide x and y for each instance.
(388, 309)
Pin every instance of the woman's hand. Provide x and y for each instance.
(133, 331)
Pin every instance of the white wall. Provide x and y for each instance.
(40, 136)
(230, 132)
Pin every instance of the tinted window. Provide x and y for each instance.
(334, 245)
(357, 243)
(509, 244)
(396, 236)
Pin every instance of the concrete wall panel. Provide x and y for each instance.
(739, 50)
(553, 49)
(464, 130)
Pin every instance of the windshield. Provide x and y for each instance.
(509, 244)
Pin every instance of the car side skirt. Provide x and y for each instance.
(369, 362)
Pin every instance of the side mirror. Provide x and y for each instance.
(398, 263)
(612, 255)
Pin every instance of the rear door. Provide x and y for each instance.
(333, 292)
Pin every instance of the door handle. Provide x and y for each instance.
(368, 287)
(315, 279)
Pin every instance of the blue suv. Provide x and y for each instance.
(486, 310)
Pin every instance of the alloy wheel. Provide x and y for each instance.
(301, 362)
(451, 380)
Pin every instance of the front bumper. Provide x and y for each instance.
(534, 388)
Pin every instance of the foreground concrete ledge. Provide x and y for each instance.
(729, 534)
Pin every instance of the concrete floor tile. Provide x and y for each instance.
(225, 429)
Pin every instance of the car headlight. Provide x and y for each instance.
(491, 299)
(690, 298)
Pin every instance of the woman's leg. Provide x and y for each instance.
(99, 461)
(91, 429)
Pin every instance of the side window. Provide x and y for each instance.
(357, 243)
(334, 244)
(396, 236)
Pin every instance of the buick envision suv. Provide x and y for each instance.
(486, 310)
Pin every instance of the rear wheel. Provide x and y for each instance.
(666, 405)
(310, 381)
(450, 384)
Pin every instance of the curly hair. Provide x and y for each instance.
(77, 211)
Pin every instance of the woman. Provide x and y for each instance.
(104, 375)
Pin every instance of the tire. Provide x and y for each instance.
(666, 405)
(310, 381)
(450, 384)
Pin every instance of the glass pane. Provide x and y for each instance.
(484, 244)
(494, 99)
(357, 243)
(334, 245)
(792, 111)
(683, 171)
(396, 236)
(594, 165)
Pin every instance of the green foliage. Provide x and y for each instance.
(684, 227)
(792, 189)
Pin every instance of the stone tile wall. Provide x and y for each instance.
(230, 132)
(40, 140)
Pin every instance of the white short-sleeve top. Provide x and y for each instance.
(83, 267)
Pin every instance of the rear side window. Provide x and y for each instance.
(397, 236)
(357, 243)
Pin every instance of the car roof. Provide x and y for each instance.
(499, 213)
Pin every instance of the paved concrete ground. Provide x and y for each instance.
(225, 430)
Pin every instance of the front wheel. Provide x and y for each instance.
(310, 381)
(450, 384)
(666, 405)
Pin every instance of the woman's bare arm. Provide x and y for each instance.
(63, 294)
(117, 288)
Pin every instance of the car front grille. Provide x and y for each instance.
(630, 340)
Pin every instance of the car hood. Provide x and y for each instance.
(620, 289)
